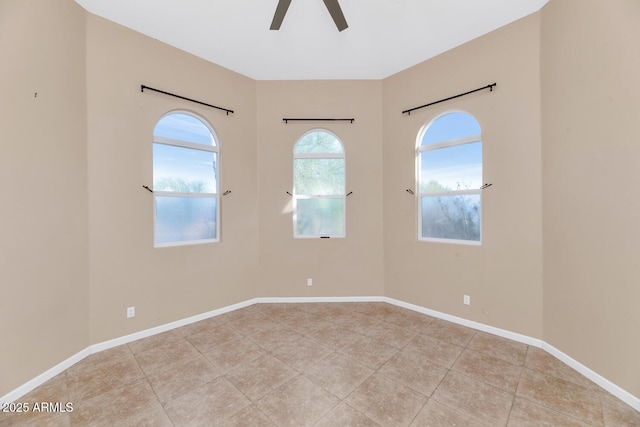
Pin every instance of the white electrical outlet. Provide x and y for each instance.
(467, 300)
(131, 312)
(309, 282)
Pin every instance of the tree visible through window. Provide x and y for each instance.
(449, 179)
(185, 180)
(319, 186)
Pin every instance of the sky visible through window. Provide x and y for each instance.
(185, 159)
(450, 178)
(453, 168)
(180, 168)
(185, 128)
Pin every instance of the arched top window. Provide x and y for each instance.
(450, 126)
(185, 180)
(319, 185)
(318, 142)
(185, 127)
(449, 178)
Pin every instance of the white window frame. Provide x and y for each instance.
(296, 197)
(215, 148)
(421, 148)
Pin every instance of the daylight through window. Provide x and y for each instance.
(185, 181)
(449, 179)
(319, 186)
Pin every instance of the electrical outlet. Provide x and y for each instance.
(131, 312)
(309, 282)
(467, 300)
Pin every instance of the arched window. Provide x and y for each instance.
(319, 185)
(185, 181)
(449, 179)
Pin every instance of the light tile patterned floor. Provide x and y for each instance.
(324, 364)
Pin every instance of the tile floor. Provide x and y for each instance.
(324, 364)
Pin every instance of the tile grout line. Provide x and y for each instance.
(150, 386)
(445, 375)
(515, 393)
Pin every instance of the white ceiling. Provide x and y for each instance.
(383, 38)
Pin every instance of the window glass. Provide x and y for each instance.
(452, 168)
(183, 169)
(184, 127)
(319, 176)
(319, 186)
(451, 217)
(318, 142)
(320, 217)
(451, 126)
(449, 179)
(180, 219)
(185, 181)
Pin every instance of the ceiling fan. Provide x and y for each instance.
(332, 6)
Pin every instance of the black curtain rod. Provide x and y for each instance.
(143, 87)
(490, 87)
(287, 120)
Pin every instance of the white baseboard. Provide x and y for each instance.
(25, 388)
(612, 388)
(105, 345)
(535, 342)
(16, 394)
(276, 300)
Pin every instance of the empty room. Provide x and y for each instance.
(320, 213)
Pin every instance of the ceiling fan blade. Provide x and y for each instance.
(281, 11)
(336, 13)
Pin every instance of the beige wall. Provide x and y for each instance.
(591, 152)
(44, 308)
(503, 276)
(164, 284)
(351, 266)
